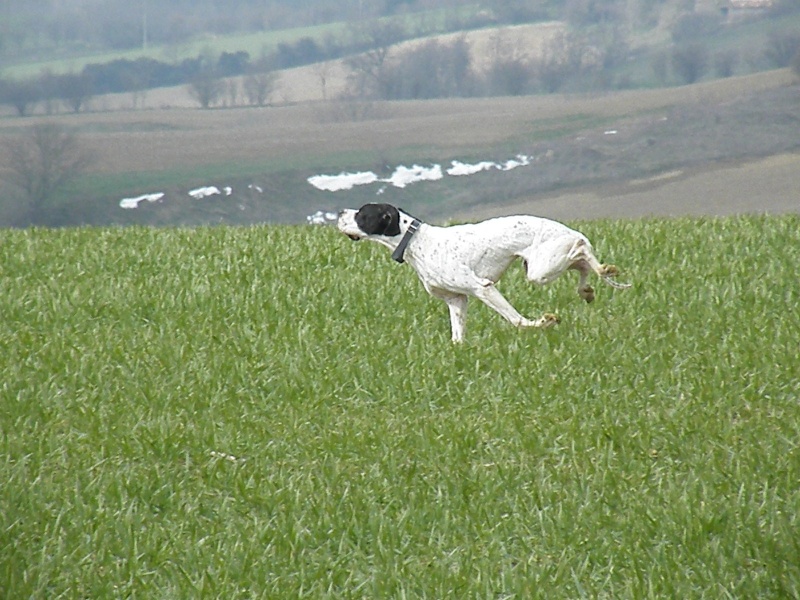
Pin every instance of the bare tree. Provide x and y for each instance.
(258, 87)
(781, 48)
(41, 162)
(431, 70)
(206, 88)
(138, 83)
(322, 71)
(368, 67)
(232, 90)
(511, 77)
(725, 62)
(75, 90)
(660, 66)
(21, 94)
(562, 59)
(48, 84)
(690, 61)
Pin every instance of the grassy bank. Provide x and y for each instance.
(279, 412)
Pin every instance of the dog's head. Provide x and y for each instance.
(381, 222)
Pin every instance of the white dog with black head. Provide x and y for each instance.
(457, 262)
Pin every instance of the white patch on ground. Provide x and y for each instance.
(203, 192)
(130, 203)
(459, 169)
(404, 176)
(322, 217)
(400, 178)
(520, 161)
(342, 181)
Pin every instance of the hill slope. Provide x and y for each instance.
(277, 149)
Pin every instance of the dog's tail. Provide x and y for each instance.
(607, 273)
(615, 284)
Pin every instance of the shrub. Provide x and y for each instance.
(725, 63)
(41, 162)
(690, 62)
(19, 94)
(781, 47)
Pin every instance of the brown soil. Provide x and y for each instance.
(721, 147)
(769, 185)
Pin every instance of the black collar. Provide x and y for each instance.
(401, 247)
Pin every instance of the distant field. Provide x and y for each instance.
(303, 84)
(276, 411)
(255, 44)
(765, 186)
(152, 140)
(278, 148)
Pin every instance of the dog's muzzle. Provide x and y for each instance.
(345, 223)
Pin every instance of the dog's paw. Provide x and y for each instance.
(609, 271)
(548, 320)
(587, 293)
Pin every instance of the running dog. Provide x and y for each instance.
(457, 262)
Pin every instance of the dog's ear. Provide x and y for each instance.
(391, 221)
(378, 219)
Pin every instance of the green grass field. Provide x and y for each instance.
(276, 412)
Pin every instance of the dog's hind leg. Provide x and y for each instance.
(569, 252)
(585, 291)
(546, 262)
(583, 260)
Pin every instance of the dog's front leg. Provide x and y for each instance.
(491, 297)
(458, 316)
(457, 305)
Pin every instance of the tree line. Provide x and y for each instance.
(202, 73)
(574, 60)
(578, 59)
(35, 26)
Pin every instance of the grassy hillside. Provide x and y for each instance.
(278, 412)
(256, 44)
